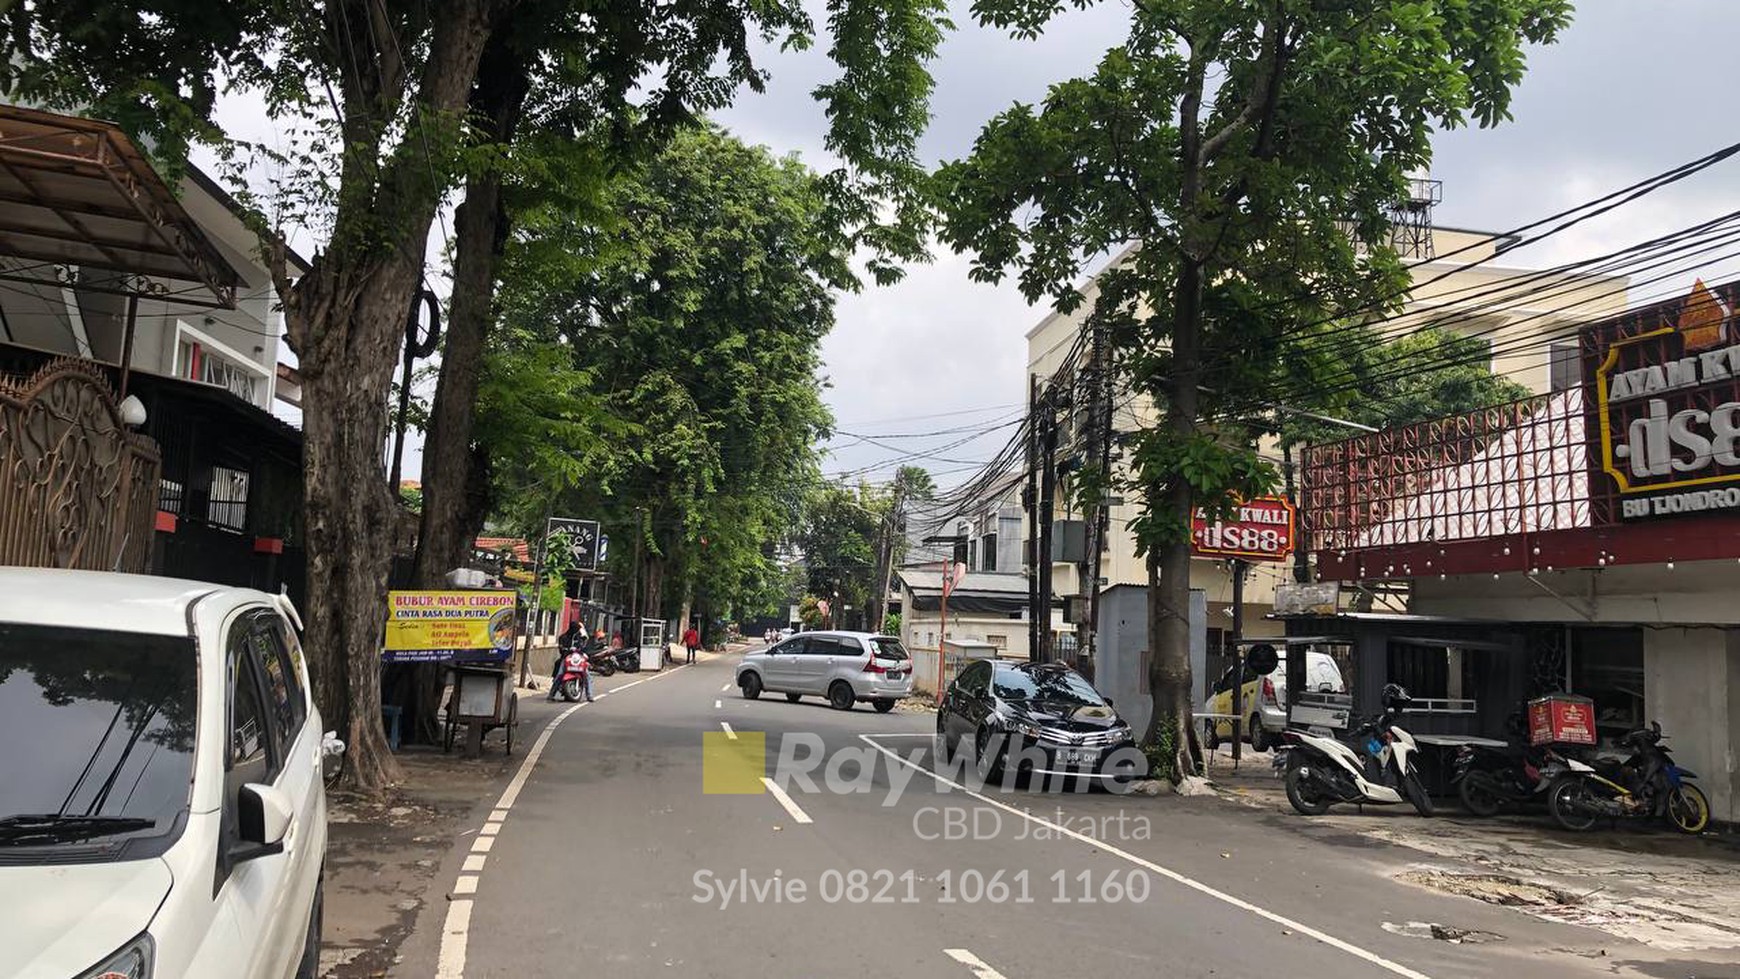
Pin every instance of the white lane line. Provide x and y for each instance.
(728, 732)
(451, 963)
(718, 704)
(973, 962)
(1172, 875)
(455, 933)
(466, 884)
(791, 808)
(725, 689)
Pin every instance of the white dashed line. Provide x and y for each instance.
(797, 815)
(1172, 875)
(718, 704)
(973, 962)
(728, 732)
(451, 963)
(455, 933)
(725, 689)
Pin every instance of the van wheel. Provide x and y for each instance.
(883, 704)
(840, 695)
(309, 968)
(751, 685)
(794, 697)
(1259, 737)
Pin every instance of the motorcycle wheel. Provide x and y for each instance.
(606, 667)
(1571, 806)
(571, 690)
(1301, 792)
(1478, 795)
(1416, 794)
(1688, 810)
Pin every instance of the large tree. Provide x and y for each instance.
(1250, 152)
(693, 328)
(387, 87)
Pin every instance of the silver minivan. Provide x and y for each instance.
(844, 667)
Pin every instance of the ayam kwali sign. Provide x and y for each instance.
(1666, 405)
(1257, 530)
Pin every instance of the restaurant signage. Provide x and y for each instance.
(1258, 530)
(1666, 404)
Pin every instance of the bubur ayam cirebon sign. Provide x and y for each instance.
(1664, 406)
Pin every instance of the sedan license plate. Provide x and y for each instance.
(1077, 756)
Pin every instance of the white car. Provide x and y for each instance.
(162, 811)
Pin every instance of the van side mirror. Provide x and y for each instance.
(1109, 702)
(263, 817)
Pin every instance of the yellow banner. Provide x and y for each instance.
(444, 620)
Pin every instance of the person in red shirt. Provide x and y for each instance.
(692, 640)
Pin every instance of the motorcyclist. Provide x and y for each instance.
(574, 641)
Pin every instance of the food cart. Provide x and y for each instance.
(652, 644)
(472, 631)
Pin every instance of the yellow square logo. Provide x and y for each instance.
(733, 765)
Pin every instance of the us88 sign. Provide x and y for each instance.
(1259, 530)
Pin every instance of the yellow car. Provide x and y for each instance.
(1265, 699)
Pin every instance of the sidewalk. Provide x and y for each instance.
(1674, 893)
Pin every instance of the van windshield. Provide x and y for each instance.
(109, 720)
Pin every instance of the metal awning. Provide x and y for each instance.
(77, 193)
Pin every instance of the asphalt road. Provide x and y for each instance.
(611, 858)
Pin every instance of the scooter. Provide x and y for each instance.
(1322, 771)
(1647, 785)
(572, 683)
(1488, 779)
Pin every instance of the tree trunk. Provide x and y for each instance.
(1169, 563)
(688, 608)
(345, 319)
(481, 227)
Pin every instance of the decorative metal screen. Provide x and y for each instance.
(1515, 468)
(77, 490)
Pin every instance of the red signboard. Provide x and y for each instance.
(1562, 719)
(1259, 530)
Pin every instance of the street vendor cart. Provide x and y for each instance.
(472, 632)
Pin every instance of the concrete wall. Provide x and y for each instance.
(1691, 682)
(1120, 670)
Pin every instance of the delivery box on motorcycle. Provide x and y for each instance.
(1561, 718)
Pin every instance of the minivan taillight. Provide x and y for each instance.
(871, 667)
(1269, 690)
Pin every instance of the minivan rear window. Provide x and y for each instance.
(889, 648)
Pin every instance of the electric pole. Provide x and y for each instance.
(1047, 487)
(1029, 500)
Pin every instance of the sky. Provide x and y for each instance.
(1632, 88)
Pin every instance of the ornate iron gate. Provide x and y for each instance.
(77, 489)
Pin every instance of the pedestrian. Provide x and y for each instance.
(692, 639)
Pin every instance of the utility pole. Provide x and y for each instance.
(1099, 511)
(1301, 560)
(1029, 499)
(1238, 632)
(1047, 485)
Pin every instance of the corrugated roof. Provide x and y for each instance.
(983, 582)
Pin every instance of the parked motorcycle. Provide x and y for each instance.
(1647, 785)
(1322, 771)
(572, 683)
(1488, 779)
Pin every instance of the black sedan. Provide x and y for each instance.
(1043, 716)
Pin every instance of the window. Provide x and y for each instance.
(283, 689)
(228, 502)
(1565, 366)
(1001, 642)
(250, 756)
(1051, 686)
(976, 679)
(889, 648)
(988, 552)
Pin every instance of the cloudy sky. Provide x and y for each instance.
(1633, 88)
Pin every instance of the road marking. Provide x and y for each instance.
(718, 704)
(451, 963)
(728, 732)
(1169, 874)
(973, 962)
(456, 931)
(725, 689)
(791, 808)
